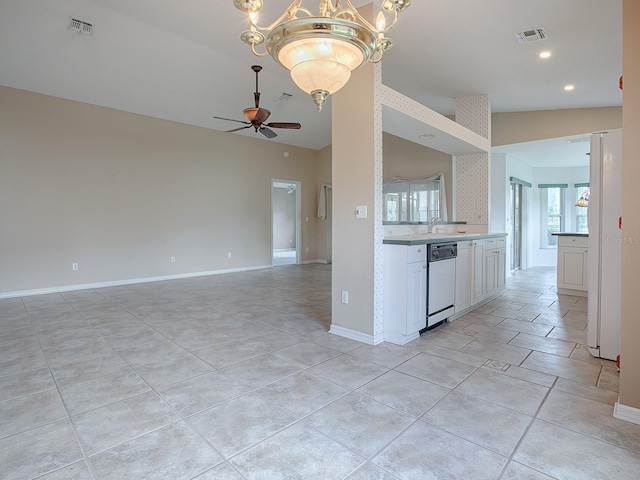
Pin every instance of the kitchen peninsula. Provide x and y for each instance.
(420, 291)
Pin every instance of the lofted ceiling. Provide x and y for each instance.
(183, 61)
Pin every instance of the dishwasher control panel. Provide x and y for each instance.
(441, 251)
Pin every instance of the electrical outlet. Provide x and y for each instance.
(345, 297)
(74, 267)
(173, 259)
(229, 255)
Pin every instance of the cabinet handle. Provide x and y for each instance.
(424, 266)
(586, 251)
(419, 250)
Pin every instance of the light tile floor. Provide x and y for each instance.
(235, 377)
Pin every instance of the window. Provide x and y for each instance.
(552, 208)
(407, 201)
(582, 192)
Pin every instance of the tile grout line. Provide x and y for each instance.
(64, 405)
(526, 430)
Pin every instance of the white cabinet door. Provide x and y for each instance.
(490, 272)
(416, 297)
(463, 276)
(477, 260)
(502, 268)
(572, 268)
(405, 292)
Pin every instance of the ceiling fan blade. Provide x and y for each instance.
(236, 129)
(283, 125)
(267, 133)
(262, 115)
(232, 120)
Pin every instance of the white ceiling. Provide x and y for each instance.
(554, 152)
(184, 61)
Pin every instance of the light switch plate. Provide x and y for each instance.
(361, 211)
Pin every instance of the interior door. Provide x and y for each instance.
(285, 222)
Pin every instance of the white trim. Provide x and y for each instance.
(357, 336)
(117, 283)
(629, 414)
(306, 262)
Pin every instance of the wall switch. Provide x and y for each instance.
(306, 249)
(361, 211)
(173, 259)
(229, 255)
(306, 219)
(74, 267)
(345, 297)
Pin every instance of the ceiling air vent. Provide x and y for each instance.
(532, 35)
(284, 96)
(80, 26)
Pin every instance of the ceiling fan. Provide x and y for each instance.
(256, 116)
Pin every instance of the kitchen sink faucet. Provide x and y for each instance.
(432, 222)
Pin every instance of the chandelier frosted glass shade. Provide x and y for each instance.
(320, 53)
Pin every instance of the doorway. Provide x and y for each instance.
(285, 222)
(516, 226)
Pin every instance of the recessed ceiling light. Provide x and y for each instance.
(545, 54)
(568, 88)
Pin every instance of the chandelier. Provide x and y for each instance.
(321, 50)
(583, 201)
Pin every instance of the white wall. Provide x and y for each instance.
(548, 256)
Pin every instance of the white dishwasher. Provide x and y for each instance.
(441, 282)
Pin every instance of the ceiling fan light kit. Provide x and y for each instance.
(322, 50)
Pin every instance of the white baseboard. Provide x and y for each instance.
(306, 262)
(357, 336)
(132, 281)
(629, 414)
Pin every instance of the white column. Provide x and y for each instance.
(472, 172)
(357, 181)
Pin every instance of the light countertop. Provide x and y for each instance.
(429, 238)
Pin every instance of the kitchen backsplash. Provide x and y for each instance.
(395, 230)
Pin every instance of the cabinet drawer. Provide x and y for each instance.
(501, 242)
(570, 241)
(416, 253)
(490, 243)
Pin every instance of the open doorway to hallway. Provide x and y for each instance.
(285, 222)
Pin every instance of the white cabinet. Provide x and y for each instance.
(464, 278)
(494, 265)
(573, 269)
(405, 292)
(480, 271)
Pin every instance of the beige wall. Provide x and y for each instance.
(517, 127)
(353, 172)
(630, 326)
(121, 193)
(403, 158)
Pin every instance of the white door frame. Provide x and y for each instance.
(298, 185)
